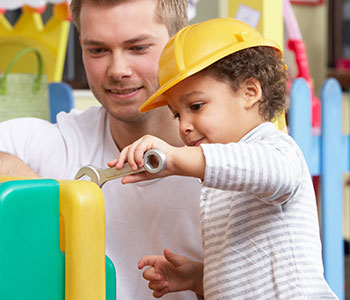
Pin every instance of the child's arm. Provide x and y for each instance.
(172, 273)
(185, 161)
(269, 165)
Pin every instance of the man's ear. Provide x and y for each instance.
(252, 92)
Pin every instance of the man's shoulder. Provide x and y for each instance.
(91, 114)
(87, 121)
(86, 130)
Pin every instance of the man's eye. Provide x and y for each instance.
(96, 51)
(139, 48)
(196, 106)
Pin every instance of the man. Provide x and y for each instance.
(121, 41)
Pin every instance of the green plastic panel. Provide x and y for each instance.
(110, 280)
(31, 263)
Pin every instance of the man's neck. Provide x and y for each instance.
(160, 124)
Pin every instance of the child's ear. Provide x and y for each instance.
(252, 92)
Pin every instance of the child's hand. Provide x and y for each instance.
(133, 155)
(172, 273)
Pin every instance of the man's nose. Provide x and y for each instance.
(119, 66)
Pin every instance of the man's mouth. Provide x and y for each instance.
(123, 91)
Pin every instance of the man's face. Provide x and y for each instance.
(121, 48)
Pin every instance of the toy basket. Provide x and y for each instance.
(24, 95)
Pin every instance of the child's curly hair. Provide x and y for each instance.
(263, 63)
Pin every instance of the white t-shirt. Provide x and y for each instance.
(141, 218)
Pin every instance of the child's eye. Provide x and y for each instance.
(177, 116)
(196, 106)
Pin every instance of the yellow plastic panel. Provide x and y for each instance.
(29, 31)
(270, 24)
(83, 213)
(271, 16)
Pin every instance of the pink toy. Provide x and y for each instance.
(296, 44)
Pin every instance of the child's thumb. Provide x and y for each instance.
(175, 259)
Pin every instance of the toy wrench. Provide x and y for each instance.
(154, 162)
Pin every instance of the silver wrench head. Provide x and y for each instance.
(91, 172)
(157, 164)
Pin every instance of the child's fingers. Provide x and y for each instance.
(144, 144)
(128, 155)
(159, 287)
(159, 294)
(140, 149)
(136, 155)
(151, 275)
(175, 259)
(149, 260)
(122, 158)
(112, 163)
(135, 178)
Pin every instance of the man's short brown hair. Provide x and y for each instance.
(262, 63)
(171, 13)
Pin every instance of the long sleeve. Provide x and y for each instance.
(265, 162)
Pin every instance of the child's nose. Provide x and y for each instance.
(185, 126)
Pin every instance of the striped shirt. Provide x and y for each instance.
(259, 221)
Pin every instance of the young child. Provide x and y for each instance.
(225, 83)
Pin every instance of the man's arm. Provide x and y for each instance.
(11, 165)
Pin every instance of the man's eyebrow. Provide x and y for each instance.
(92, 42)
(138, 39)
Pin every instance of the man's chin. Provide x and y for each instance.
(128, 117)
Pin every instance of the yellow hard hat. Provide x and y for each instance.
(196, 47)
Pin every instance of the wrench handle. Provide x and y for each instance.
(112, 173)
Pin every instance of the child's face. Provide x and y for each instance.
(209, 111)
